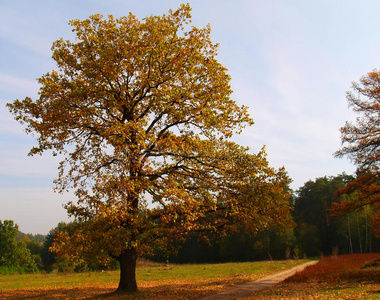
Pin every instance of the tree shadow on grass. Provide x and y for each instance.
(56, 293)
(164, 291)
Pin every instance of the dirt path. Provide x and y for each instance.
(249, 288)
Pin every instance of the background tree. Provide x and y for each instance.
(318, 232)
(141, 112)
(13, 254)
(33, 242)
(49, 258)
(241, 245)
(361, 141)
(38, 238)
(34, 247)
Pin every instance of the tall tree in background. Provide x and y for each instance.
(361, 143)
(13, 253)
(141, 111)
(316, 231)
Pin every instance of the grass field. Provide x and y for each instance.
(155, 281)
(340, 277)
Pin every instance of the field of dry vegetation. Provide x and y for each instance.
(341, 277)
(155, 281)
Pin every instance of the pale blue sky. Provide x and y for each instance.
(291, 62)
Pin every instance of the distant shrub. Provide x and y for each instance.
(9, 270)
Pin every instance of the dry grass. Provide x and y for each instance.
(331, 278)
(340, 277)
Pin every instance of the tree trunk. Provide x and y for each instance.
(349, 235)
(127, 261)
(359, 235)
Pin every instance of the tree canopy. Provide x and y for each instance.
(142, 114)
(361, 143)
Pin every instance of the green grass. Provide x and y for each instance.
(155, 281)
(191, 272)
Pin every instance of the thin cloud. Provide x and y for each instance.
(35, 210)
(18, 85)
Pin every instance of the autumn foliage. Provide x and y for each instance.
(361, 142)
(363, 191)
(142, 115)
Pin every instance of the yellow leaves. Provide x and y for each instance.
(142, 108)
(228, 183)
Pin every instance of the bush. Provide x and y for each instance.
(9, 270)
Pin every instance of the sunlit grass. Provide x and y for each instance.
(155, 281)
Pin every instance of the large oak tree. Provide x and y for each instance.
(142, 114)
(361, 143)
